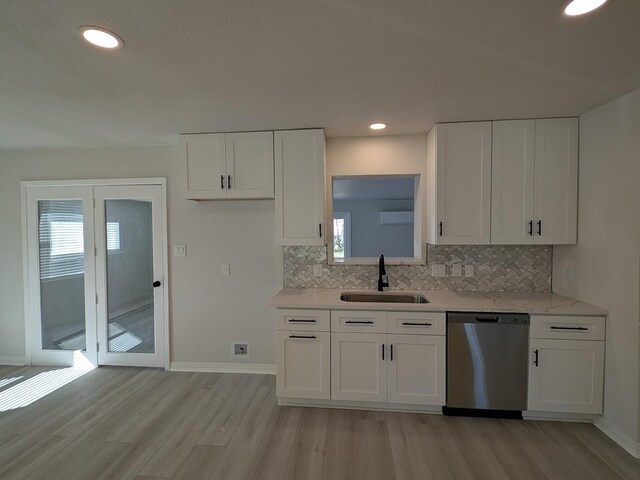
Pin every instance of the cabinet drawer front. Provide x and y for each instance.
(358, 321)
(427, 323)
(303, 320)
(567, 327)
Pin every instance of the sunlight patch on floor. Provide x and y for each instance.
(33, 389)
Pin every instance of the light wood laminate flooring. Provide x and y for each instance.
(134, 423)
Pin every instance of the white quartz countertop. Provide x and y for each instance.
(441, 301)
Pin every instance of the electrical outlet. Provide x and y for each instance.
(226, 269)
(241, 349)
(457, 270)
(179, 250)
(317, 270)
(468, 270)
(438, 270)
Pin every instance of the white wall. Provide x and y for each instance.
(606, 259)
(208, 310)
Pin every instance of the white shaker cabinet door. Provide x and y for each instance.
(417, 366)
(303, 364)
(566, 376)
(463, 184)
(205, 166)
(358, 367)
(250, 165)
(299, 185)
(556, 181)
(512, 182)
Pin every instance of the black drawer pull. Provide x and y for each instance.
(426, 324)
(295, 320)
(383, 351)
(360, 322)
(553, 327)
(302, 336)
(535, 360)
(391, 348)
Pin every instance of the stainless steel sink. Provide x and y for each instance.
(384, 298)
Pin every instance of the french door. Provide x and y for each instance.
(96, 259)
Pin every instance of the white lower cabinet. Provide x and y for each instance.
(566, 376)
(416, 369)
(566, 364)
(358, 369)
(303, 364)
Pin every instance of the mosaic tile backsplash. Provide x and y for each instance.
(503, 268)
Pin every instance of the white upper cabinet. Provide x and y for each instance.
(534, 181)
(205, 166)
(459, 184)
(249, 165)
(512, 182)
(299, 161)
(556, 181)
(228, 165)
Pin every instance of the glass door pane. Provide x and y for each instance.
(129, 269)
(61, 262)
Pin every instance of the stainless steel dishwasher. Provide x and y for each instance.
(487, 364)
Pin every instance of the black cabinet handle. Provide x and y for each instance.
(222, 182)
(156, 284)
(295, 320)
(553, 327)
(391, 353)
(383, 351)
(539, 227)
(228, 181)
(360, 322)
(320, 230)
(440, 228)
(531, 228)
(426, 324)
(302, 336)
(535, 360)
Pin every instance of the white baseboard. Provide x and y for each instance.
(13, 360)
(618, 436)
(259, 368)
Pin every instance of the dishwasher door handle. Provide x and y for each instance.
(487, 319)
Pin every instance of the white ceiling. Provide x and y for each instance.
(203, 65)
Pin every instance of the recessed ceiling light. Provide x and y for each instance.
(580, 7)
(100, 37)
(377, 126)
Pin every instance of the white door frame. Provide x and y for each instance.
(29, 309)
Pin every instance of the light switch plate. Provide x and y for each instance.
(468, 270)
(438, 270)
(226, 269)
(457, 270)
(179, 250)
(317, 270)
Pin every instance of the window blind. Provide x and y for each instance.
(61, 238)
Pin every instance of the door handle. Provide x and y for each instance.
(156, 284)
(320, 230)
(383, 351)
(535, 360)
(229, 181)
(487, 319)
(539, 227)
(391, 353)
(531, 228)
(222, 182)
(440, 228)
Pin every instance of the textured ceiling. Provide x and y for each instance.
(203, 65)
